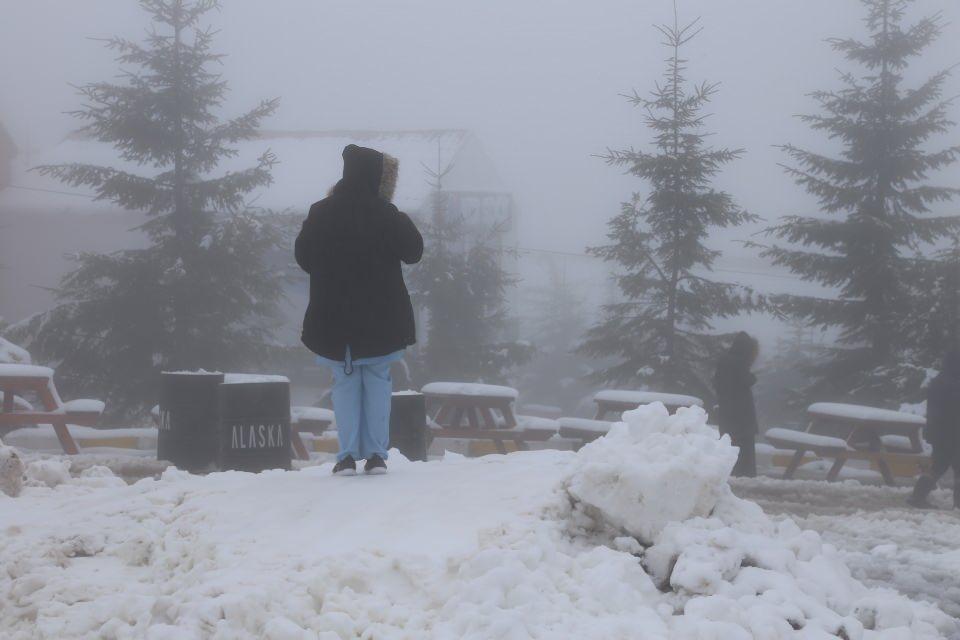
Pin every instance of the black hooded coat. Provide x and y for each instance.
(352, 245)
(943, 408)
(733, 384)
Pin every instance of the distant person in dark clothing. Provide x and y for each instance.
(942, 431)
(359, 319)
(733, 384)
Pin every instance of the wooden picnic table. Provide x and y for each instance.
(470, 411)
(845, 432)
(313, 420)
(619, 400)
(18, 381)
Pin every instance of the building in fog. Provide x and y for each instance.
(41, 229)
(8, 151)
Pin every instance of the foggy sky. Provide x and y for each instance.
(538, 81)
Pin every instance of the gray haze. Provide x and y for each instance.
(537, 81)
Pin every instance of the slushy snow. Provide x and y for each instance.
(636, 536)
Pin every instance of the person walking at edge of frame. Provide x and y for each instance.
(942, 431)
(733, 384)
(359, 318)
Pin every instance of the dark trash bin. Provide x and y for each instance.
(408, 425)
(254, 424)
(187, 435)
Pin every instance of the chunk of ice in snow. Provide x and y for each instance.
(652, 469)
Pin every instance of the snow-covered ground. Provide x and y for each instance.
(636, 536)
(883, 541)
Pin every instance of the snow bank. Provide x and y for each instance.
(459, 548)
(663, 480)
(653, 469)
(11, 471)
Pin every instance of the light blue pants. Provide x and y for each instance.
(362, 391)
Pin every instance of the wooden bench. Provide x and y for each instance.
(313, 420)
(843, 432)
(19, 380)
(619, 400)
(583, 429)
(469, 411)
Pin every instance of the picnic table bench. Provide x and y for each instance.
(471, 411)
(583, 429)
(313, 420)
(843, 432)
(19, 380)
(620, 400)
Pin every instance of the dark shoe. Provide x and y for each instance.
(919, 503)
(346, 467)
(375, 466)
(918, 499)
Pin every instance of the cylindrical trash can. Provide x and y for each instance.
(187, 435)
(254, 424)
(408, 424)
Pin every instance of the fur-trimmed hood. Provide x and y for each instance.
(369, 170)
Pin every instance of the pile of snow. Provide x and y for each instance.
(662, 480)
(518, 546)
(11, 471)
(653, 469)
(12, 354)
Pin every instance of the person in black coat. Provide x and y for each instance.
(942, 431)
(733, 384)
(359, 318)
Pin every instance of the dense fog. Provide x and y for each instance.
(538, 84)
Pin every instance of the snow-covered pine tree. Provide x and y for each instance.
(200, 295)
(661, 333)
(868, 244)
(462, 287)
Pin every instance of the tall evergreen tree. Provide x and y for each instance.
(462, 287)
(662, 331)
(868, 244)
(200, 295)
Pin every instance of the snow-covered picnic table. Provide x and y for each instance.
(313, 420)
(619, 400)
(453, 403)
(845, 432)
(18, 380)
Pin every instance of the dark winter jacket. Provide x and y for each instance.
(943, 405)
(352, 244)
(733, 384)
